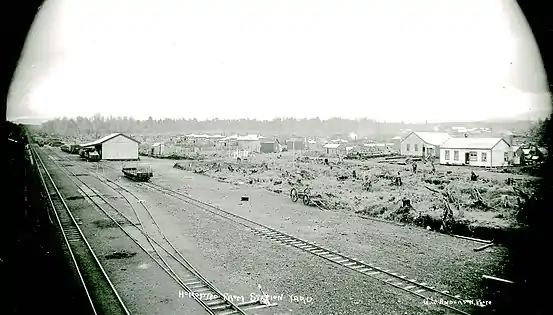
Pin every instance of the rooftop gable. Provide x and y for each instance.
(471, 143)
(249, 138)
(433, 138)
(106, 138)
(332, 145)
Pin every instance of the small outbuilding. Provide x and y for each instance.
(270, 146)
(250, 143)
(157, 149)
(295, 144)
(115, 147)
(336, 149)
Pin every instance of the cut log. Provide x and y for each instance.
(483, 247)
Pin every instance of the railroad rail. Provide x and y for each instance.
(187, 277)
(423, 290)
(100, 291)
(418, 288)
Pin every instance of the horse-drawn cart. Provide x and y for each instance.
(307, 197)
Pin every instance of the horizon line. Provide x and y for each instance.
(50, 118)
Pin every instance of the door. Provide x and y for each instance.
(467, 158)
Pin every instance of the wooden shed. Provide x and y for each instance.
(115, 146)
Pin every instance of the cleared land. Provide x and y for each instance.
(490, 202)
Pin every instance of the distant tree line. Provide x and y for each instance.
(99, 125)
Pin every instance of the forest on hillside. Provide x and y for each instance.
(99, 125)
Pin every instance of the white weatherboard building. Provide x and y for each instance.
(423, 143)
(335, 149)
(486, 152)
(115, 146)
(250, 143)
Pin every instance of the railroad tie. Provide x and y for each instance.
(202, 290)
(221, 307)
(215, 302)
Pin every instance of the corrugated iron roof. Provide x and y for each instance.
(470, 143)
(234, 137)
(248, 138)
(106, 138)
(433, 138)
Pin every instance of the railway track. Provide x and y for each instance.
(420, 289)
(177, 267)
(100, 291)
(429, 293)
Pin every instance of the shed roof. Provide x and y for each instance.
(433, 138)
(471, 143)
(249, 138)
(233, 137)
(332, 145)
(106, 138)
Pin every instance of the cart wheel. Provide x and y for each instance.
(306, 200)
(294, 194)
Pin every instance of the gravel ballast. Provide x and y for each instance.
(143, 285)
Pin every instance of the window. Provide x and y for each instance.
(506, 156)
(456, 155)
(416, 147)
(484, 157)
(473, 156)
(408, 147)
(447, 154)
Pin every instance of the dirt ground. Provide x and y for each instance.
(490, 201)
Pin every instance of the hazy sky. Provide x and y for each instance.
(389, 60)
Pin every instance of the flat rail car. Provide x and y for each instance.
(92, 156)
(70, 148)
(138, 174)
